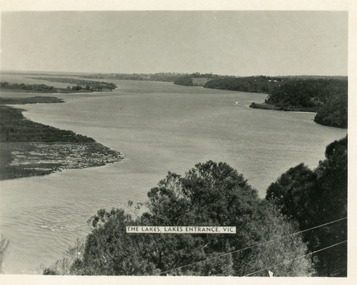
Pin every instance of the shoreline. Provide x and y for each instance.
(266, 106)
(29, 149)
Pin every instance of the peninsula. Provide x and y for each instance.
(28, 148)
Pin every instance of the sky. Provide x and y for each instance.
(238, 43)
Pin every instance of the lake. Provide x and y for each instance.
(159, 127)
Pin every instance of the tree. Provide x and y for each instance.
(317, 197)
(291, 194)
(110, 251)
(335, 112)
(76, 87)
(209, 194)
(184, 80)
(280, 250)
(331, 202)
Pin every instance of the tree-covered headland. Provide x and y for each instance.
(256, 84)
(327, 96)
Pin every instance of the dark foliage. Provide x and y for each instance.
(28, 87)
(209, 194)
(184, 80)
(257, 84)
(48, 271)
(79, 84)
(334, 113)
(30, 100)
(195, 79)
(317, 197)
(15, 128)
(264, 106)
(307, 93)
(327, 97)
(163, 76)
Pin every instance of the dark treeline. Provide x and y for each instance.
(322, 94)
(81, 85)
(325, 95)
(256, 84)
(196, 79)
(308, 93)
(334, 113)
(28, 87)
(184, 80)
(216, 194)
(30, 100)
(165, 77)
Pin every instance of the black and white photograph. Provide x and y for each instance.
(184, 142)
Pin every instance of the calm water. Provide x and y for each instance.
(159, 127)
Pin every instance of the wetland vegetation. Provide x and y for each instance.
(28, 148)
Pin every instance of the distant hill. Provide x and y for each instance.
(164, 76)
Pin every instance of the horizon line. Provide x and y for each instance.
(164, 72)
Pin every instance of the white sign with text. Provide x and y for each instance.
(180, 230)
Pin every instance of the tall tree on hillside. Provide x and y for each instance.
(317, 197)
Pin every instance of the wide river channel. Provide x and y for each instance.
(159, 127)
